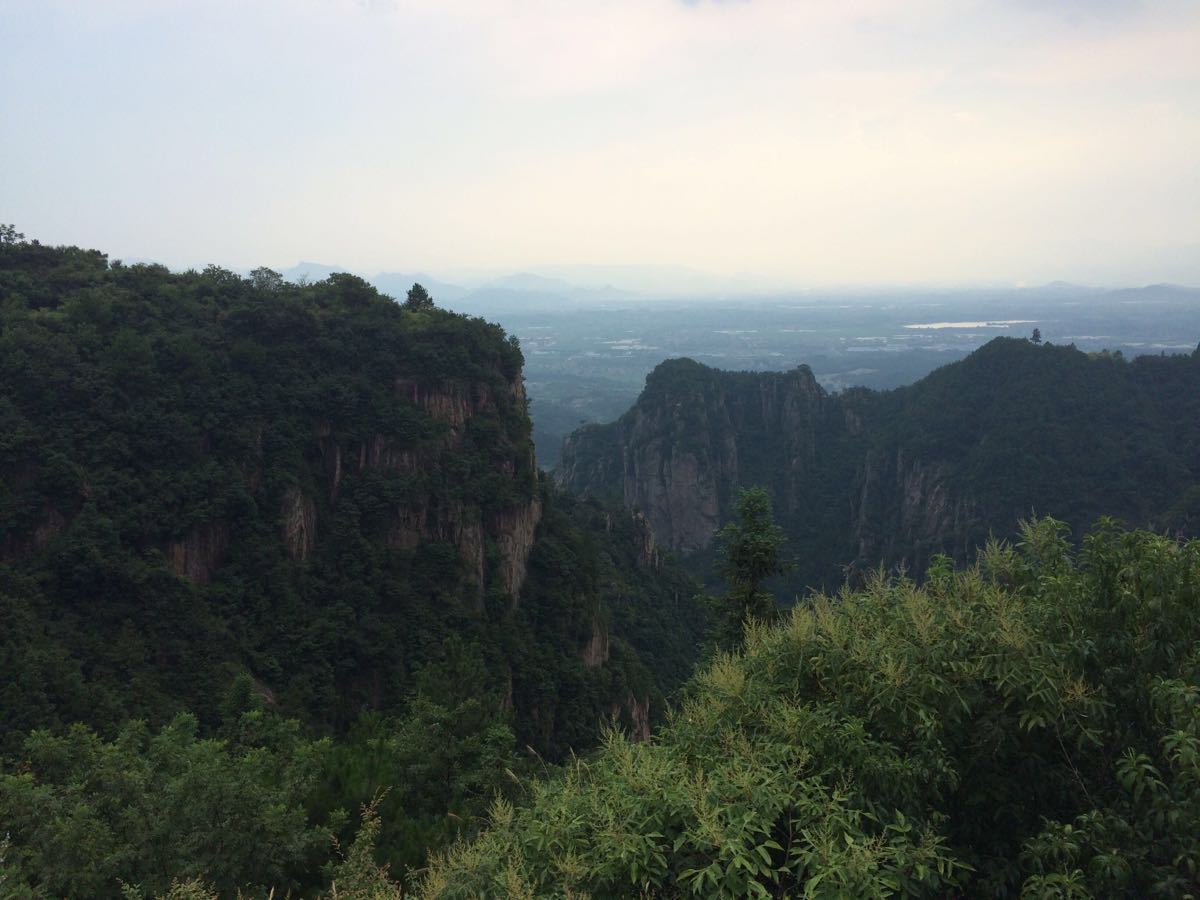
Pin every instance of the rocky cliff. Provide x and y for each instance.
(202, 474)
(424, 514)
(679, 454)
(864, 478)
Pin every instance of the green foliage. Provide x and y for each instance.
(230, 498)
(1005, 427)
(418, 299)
(431, 772)
(750, 554)
(150, 807)
(864, 477)
(1027, 726)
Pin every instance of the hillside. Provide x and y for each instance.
(865, 477)
(1025, 727)
(221, 495)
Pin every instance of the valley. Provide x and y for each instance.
(587, 362)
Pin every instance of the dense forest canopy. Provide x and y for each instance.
(289, 541)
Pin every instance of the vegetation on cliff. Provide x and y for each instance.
(899, 476)
(309, 505)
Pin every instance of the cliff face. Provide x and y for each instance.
(697, 435)
(425, 515)
(864, 478)
(202, 475)
(421, 516)
(903, 510)
(680, 453)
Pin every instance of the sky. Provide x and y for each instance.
(796, 143)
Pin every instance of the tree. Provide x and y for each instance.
(751, 554)
(87, 814)
(266, 279)
(1028, 726)
(418, 298)
(10, 235)
(1036, 337)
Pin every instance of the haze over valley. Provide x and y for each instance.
(588, 347)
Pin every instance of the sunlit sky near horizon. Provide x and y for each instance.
(795, 143)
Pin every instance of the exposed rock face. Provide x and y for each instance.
(197, 556)
(637, 712)
(680, 454)
(299, 527)
(514, 530)
(865, 478)
(697, 435)
(596, 652)
(426, 514)
(648, 555)
(903, 511)
(454, 524)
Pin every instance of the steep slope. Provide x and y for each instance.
(1026, 727)
(203, 475)
(862, 477)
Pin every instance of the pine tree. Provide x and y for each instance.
(752, 554)
(418, 298)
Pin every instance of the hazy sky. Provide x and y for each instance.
(808, 142)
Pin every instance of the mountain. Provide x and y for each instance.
(525, 292)
(310, 271)
(273, 510)
(864, 477)
(657, 280)
(396, 284)
(202, 476)
(528, 283)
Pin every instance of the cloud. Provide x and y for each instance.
(858, 140)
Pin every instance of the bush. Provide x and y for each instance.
(1030, 725)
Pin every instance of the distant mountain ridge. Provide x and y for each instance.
(862, 478)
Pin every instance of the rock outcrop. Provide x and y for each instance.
(863, 478)
(427, 514)
(513, 530)
(424, 514)
(596, 652)
(299, 515)
(697, 435)
(197, 556)
(679, 455)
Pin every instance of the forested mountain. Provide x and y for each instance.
(863, 477)
(224, 498)
(271, 554)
